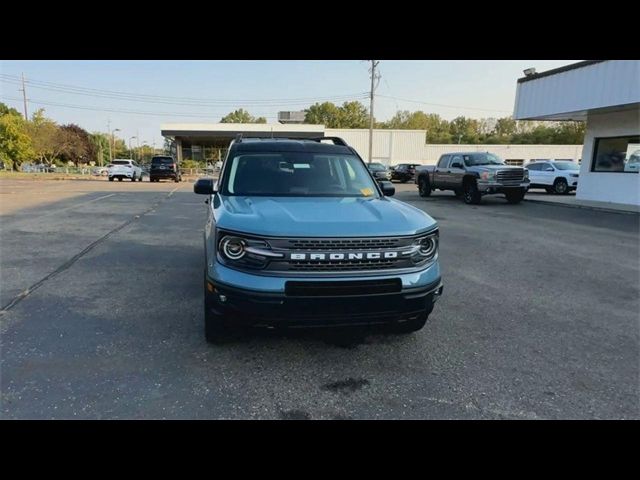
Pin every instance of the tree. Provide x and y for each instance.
(349, 115)
(326, 114)
(77, 146)
(46, 138)
(464, 130)
(353, 115)
(15, 144)
(6, 110)
(242, 116)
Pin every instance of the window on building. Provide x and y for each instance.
(616, 154)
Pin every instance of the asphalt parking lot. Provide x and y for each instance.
(539, 318)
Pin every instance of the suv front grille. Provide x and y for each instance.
(343, 244)
(512, 176)
(331, 246)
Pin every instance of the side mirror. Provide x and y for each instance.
(205, 186)
(456, 165)
(388, 190)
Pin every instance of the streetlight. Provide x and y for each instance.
(133, 154)
(114, 144)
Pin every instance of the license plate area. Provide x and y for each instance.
(342, 288)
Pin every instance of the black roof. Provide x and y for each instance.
(555, 71)
(287, 145)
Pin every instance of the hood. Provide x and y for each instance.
(320, 217)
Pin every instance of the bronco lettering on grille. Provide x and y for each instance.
(342, 256)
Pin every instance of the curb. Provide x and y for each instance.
(584, 207)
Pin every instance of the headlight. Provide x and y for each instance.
(232, 247)
(526, 174)
(488, 176)
(241, 251)
(427, 247)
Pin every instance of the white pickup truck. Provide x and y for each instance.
(124, 168)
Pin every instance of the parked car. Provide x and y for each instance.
(100, 171)
(559, 177)
(164, 166)
(472, 175)
(633, 162)
(379, 171)
(300, 234)
(124, 168)
(404, 172)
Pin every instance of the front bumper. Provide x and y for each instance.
(495, 187)
(266, 300)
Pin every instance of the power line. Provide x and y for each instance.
(135, 112)
(443, 105)
(189, 101)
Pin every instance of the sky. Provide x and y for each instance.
(150, 93)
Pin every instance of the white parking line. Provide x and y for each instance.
(78, 205)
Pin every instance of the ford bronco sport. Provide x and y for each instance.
(300, 234)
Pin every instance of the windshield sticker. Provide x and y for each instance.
(367, 192)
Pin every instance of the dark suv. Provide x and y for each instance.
(164, 167)
(404, 172)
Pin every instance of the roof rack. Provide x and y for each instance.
(336, 140)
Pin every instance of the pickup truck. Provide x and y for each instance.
(299, 233)
(472, 175)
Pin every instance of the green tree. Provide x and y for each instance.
(353, 115)
(78, 146)
(15, 144)
(5, 109)
(242, 116)
(46, 137)
(326, 114)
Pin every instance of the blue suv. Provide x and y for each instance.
(299, 233)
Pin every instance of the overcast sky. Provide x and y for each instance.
(204, 91)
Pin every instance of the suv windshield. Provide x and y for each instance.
(121, 162)
(375, 167)
(482, 159)
(296, 174)
(566, 165)
(161, 160)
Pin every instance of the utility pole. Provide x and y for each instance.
(24, 99)
(109, 140)
(374, 77)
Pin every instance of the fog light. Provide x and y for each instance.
(222, 298)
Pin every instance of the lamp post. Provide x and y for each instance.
(132, 153)
(110, 142)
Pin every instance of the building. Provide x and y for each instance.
(201, 141)
(606, 95)
(292, 117)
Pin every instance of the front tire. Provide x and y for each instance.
(214, 324)
(111, 179)
(560, 186)
(470, 194)
(424, 187)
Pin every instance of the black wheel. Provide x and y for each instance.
(470, 194)
(133, 177)
(177, 180)
(140, 179)
(560, 186)
(111, 179)
(424, 187)
(119, 179)
(515, 196)
(410, 326)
